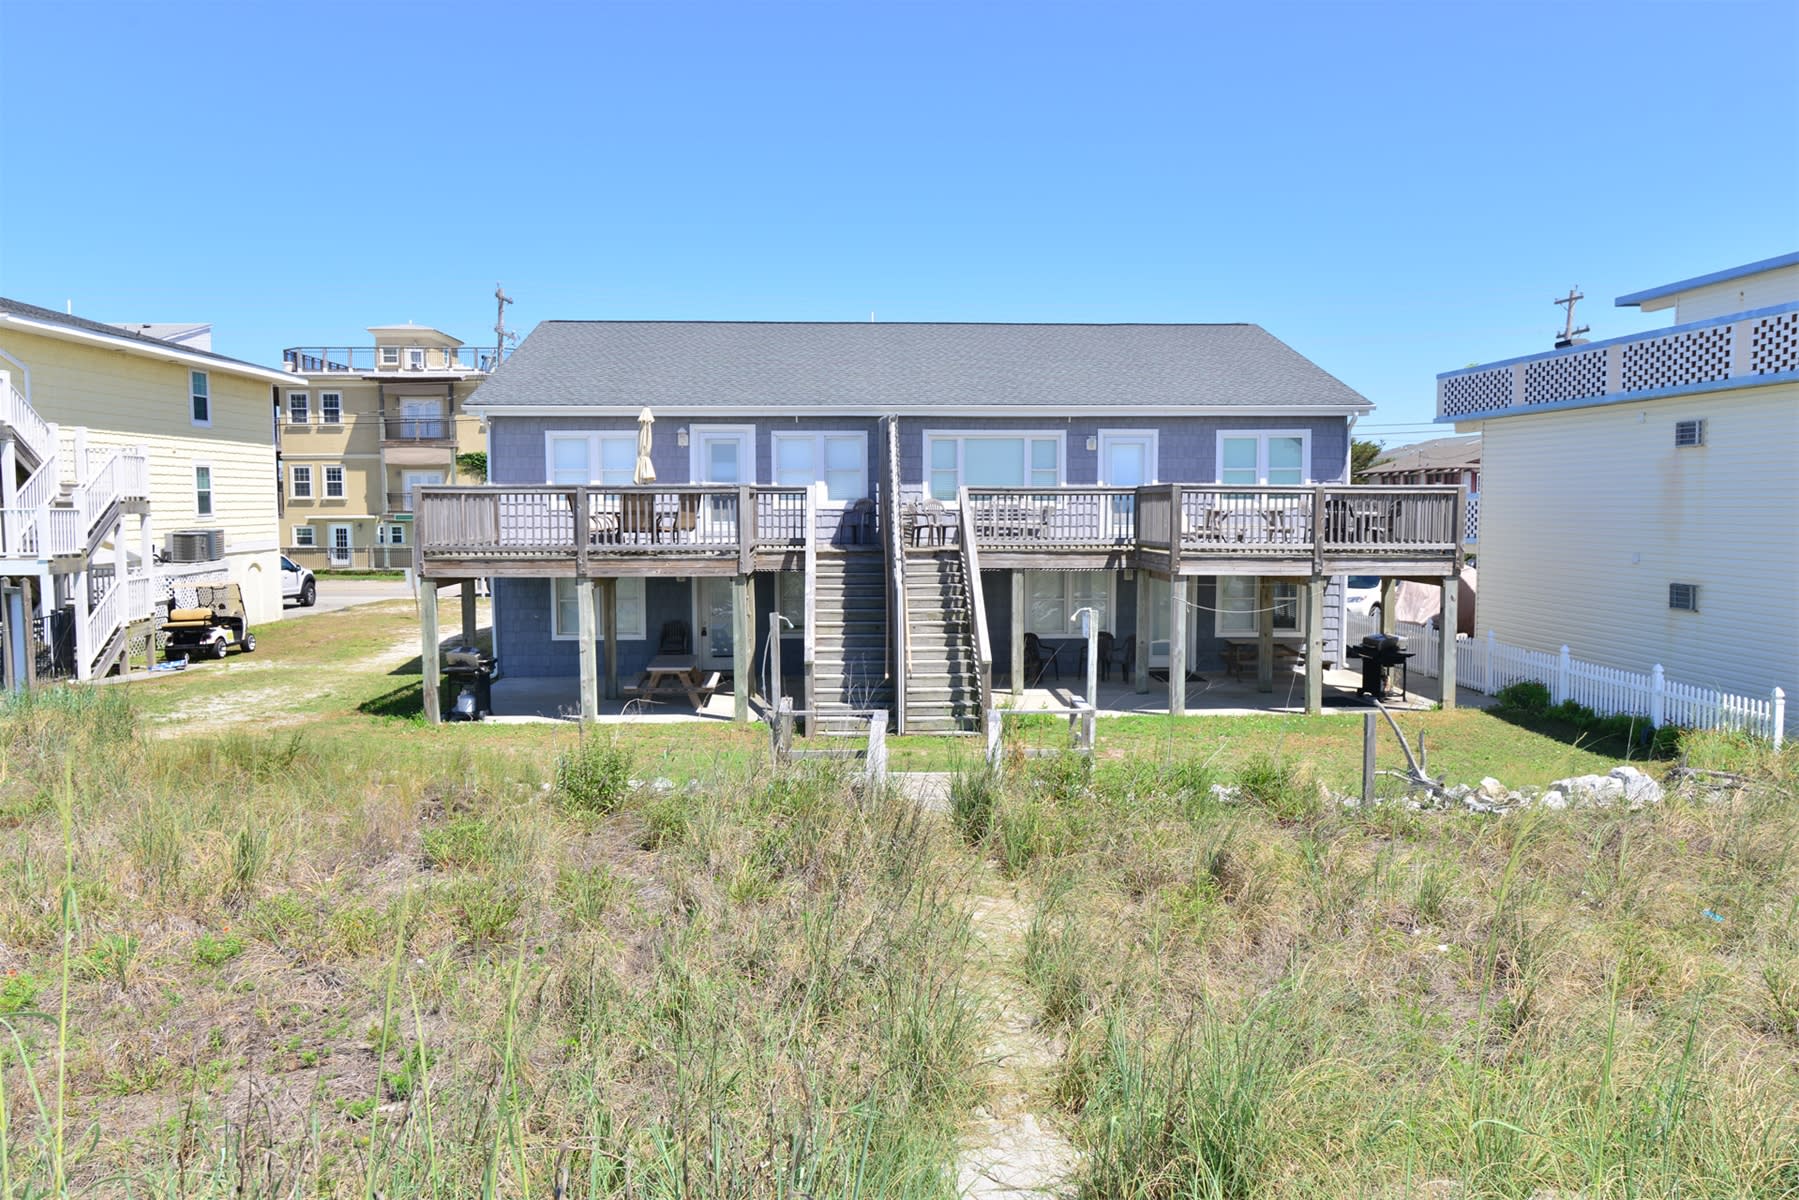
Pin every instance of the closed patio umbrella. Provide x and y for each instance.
(646, 470)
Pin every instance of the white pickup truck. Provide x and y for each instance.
(297, 583)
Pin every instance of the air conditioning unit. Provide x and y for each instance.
(194, 545)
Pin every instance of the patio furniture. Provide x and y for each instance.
(931, 523)
(676, 674)
(1034, 663)
(1112, 651)
(857, 528)
(1211, 527)
(676, 638)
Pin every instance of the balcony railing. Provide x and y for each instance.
(418, 429)
(401, 360)
(1732, 351)
(1218, 519)
(521, 523)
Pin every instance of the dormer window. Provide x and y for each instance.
(390, 356)
(415, 359)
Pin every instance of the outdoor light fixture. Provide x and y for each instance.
(1092, 442)
(681, 436)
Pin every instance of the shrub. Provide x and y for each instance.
(594, 776)
(1527, 695)
(1277, 786)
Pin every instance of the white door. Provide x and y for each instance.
(414, 480)
(339, 546)
(712, 616)
(1126, 459)
(722, 454)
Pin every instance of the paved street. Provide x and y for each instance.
(337, 594)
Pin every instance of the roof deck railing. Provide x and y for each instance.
(398, 360)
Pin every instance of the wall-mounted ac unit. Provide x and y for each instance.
(194, 545)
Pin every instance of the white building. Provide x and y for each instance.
(1641, 493)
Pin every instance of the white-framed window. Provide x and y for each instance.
(790, 601)
(298, 408)
(1237, 615)
(331, 408)
(565, 619)
(390, 356)
(576, 457)
(300, 476)
(1274, 457)
(1052, 598)
(334, 482)
(390, 535)
(415, 359)
(957, 458)
(304, 537)
(199, 390)
(838, 460)
(203, 489)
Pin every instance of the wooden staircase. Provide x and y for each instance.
(850, 639)
(942, 688)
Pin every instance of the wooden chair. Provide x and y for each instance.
(1211, 527)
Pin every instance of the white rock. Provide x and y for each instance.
(1491, 787)
(1554, 798)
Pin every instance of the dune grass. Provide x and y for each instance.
(1282, 998)
(354, 956)
(252, 965)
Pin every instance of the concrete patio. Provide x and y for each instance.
(523, 698)
(1213, 693)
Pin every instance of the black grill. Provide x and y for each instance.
(1380, 653)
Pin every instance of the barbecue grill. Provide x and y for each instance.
(1380, 653)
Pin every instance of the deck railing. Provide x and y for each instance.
(326, 360)
(555, 522)
(1241, 520)
(1735, 350)
(977, 605)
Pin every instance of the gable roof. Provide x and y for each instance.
(896, 367)
(49, 322)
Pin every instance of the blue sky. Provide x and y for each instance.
(1393, 189)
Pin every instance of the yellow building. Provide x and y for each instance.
(361, 428)
(201, 420)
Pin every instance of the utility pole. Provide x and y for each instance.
(1569, 333)
(501, 334)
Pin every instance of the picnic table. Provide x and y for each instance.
(1242, 653)
(673, 674)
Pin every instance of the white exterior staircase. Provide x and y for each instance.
(56, 521)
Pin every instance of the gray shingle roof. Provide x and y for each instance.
(895, 367)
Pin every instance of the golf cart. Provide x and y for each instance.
(209, 631)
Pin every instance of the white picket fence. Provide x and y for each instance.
(1487, 664)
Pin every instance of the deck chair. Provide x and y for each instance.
(1035, 664)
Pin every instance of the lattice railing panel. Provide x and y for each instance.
(1774, 345)
(1565, 377)
(1477, 391)
(1696, 356)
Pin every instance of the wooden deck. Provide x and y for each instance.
(1171, 529)
(600, 532)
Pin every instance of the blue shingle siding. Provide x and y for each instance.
(1187, 447)
(522, 612)
(516, 444)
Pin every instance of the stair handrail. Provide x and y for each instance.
(895, 547)
(17, 413)
(25, 520)
(977, 602)
(809, 667)
(101, 487)
(103, 620)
